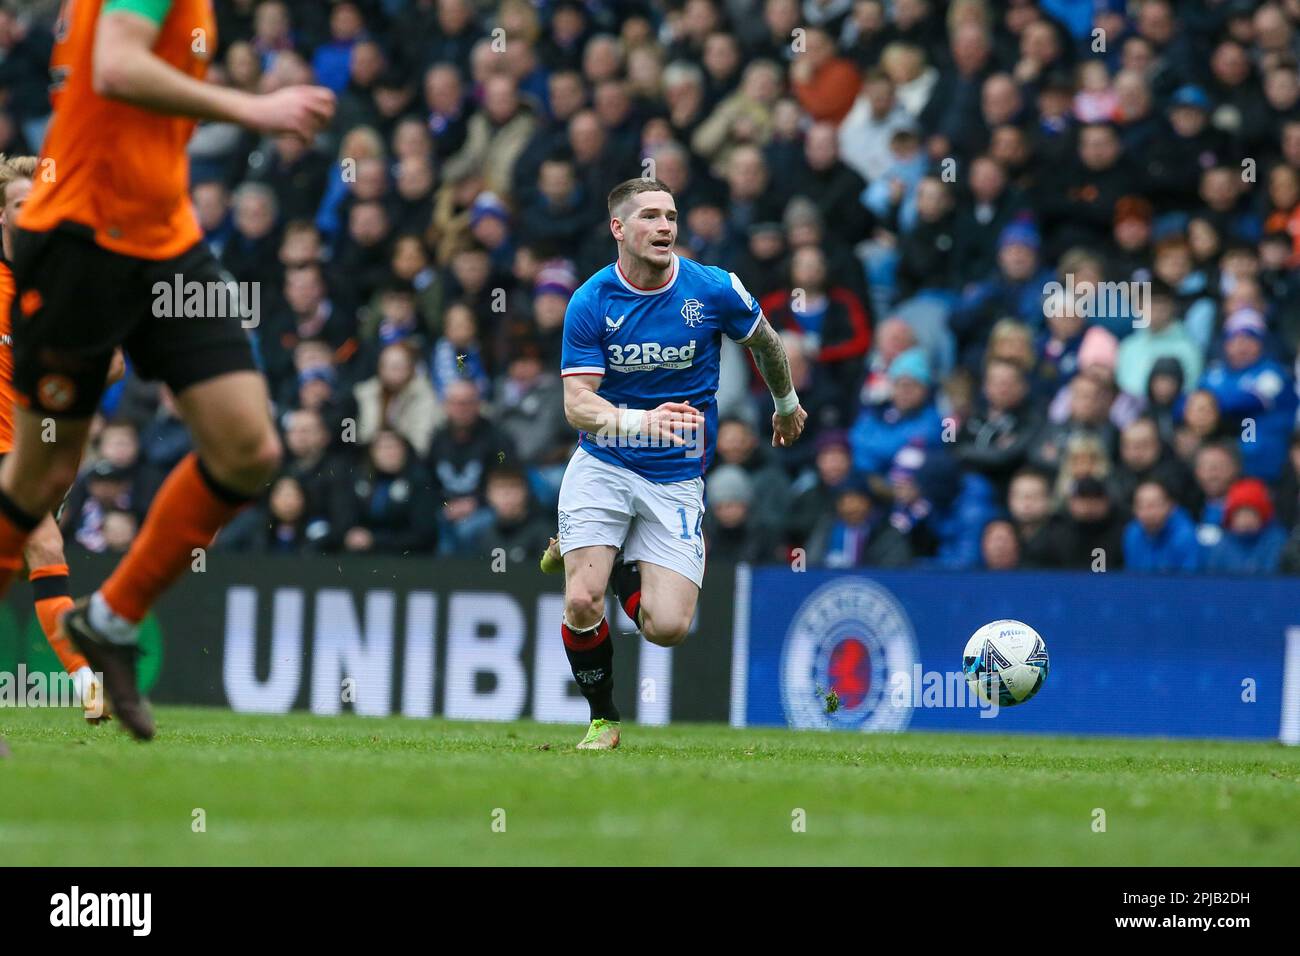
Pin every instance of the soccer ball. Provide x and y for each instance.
(1006, 658)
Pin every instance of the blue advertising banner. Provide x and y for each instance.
(1129, 654)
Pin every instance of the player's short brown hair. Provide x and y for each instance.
(13, 168)
(633, 187)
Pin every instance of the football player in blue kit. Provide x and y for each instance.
(640, 360)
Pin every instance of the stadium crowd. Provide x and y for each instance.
(1034, 262)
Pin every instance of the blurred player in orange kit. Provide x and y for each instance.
(111, 221)
(47, 568)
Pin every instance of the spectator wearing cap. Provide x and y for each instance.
(1096, 526)
(1186, 145)
(938, 508)
(866, 132)
(893, 337)
(1129, 259)
(103, 488)
(1164, 396)
(738, 445)
(1098, 355)
(731, 532)
(1252, 541)
(318, 391)
(910, 416)
(489, 224)
(1255, 391)
(1017, 290)
(398, 397)
(1164, 336)
(1161, 536)
(552, 290)
(825, 83)
(858, 534)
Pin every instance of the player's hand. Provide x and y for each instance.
(674, 422)
(304, 110)
(786, 429)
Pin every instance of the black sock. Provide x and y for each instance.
(626, 579)
(591, 655)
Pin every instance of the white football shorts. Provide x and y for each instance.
(602, 503)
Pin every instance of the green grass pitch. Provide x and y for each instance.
(348, 790)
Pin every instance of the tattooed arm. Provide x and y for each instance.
(774, 365)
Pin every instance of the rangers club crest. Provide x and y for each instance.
(693, 312)
(851, 637)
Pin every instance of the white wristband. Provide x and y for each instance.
(786, 404)
(629, 422)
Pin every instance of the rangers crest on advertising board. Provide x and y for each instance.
(851, 637)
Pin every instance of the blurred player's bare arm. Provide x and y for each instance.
(774, 365)
(127, 69)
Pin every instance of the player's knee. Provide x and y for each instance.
(666, 632)
(249, 465)
(584, 607)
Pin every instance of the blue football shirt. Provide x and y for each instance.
(654, 346)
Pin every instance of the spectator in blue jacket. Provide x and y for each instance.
(909, 417)
(1256, 391)
(1252, 541)
(1161, 536)
(1016, 291)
